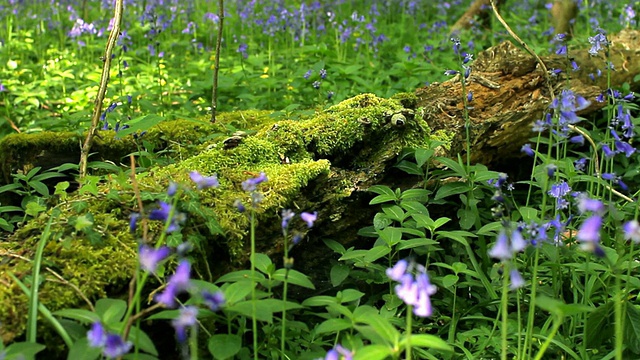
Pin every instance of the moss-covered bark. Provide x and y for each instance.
(314, 164)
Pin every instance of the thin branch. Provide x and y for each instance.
(102, 90)
(74, 287)
(216, 65)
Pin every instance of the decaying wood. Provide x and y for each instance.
(477, 13)
(510, 93)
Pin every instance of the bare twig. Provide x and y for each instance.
(214, 91)
(102, 90)
(74, 287)
(526, 47)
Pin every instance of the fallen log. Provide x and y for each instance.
(324, 164)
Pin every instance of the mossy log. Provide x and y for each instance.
(314, 164)
(323, 163)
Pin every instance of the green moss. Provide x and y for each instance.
(345, 143)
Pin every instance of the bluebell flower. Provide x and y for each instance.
(112, 345)
(580, 164)
(239, 205)
(252, 183)
(316, 84)
(133, 221)
(172, 189)
(339, 353)
(115, 347)
(589, 235)
(187, 317)
(501, 249)
(97, 336)
(469, 96)
(598, 42)
(578, 139)
(607, 151)
(423, 306)
(323, 73)
(150, 257)
(309, 218)
(526, 148)
(398, 270)
(213, 301)
(204, 182)
(631, 231)
(551, 170)
(516, 279)
(287, 215)
(178, 282)
(307, 74)
(451, 72)
(163, 213)
(585, 203)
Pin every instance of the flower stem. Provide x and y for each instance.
(254, 321)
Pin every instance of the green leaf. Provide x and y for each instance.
(450, 280)
(332, 326)
(467, 218)
(39, 187)
(420, 195)
(413, 206)
(142, 340)
(381, 326)
(376, 253)
(382, 190)
(245, 308)
(490, 229)
(373, 352)
(335, 246)
(81, 350)
(381, 221)
(83, 222)
(349, 295)
(451, 189)
(410, 168)
(394, 212)
(240, 275)
(237, 291)
(33, 209)
(426, 341)
(423, 155)
(263, 263)
(390, 235)
(84, 316)
(382, 199)
(457, 235)
(295, 277)
(140, 124)
(414, 243)
(454, 165)
(111, 311)
(632, 328)
(224, 346)
(339, 273)
(23, 350)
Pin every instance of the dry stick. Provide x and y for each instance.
(74, 287)
(102, 90)
(214, 91)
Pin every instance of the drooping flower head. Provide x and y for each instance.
(150, 257)
(204, 182)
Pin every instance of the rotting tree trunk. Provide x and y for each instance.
(510, 93)
(478, 13)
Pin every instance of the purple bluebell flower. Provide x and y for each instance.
(589, 235)
(242, 49)
(423, 306)
(451, 72)
(578, 139)
(323, 73)
(187, 318)
(598, 43)
(307, 74)
(631, 231)
(239, 205)
(309, 218)
(172, 189)
(163, 213)
(133, 221)
(178, 282)
(115, 347)
(97, 336)
(608, 176)
(398, 270)
(469, 96)
(287, 215)
(580, 164)
(551, 170)
(150, 257)
(252, 183)
(516, 279)
(339, 353)
(526, 148)
(316, 84)
(585, 203)
(213, 301)
(501, 250)
(204, 182)
(607, 151)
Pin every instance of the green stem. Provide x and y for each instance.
(532, 304)
(504, 302)
(254, 321)
(556, 325)
(408, 342)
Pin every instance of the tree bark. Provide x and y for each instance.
(510, 93)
